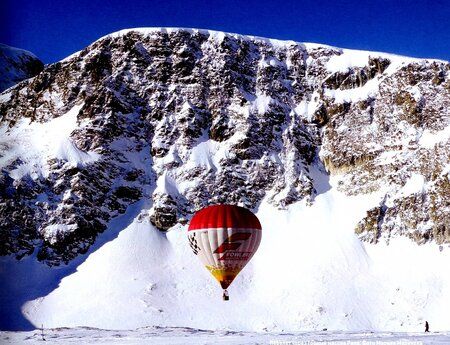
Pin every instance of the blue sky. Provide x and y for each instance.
(55, 29)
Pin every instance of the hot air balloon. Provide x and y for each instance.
(224, 237)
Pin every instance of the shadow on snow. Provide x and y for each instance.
(28, 279)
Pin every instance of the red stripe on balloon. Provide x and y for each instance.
(224, 216)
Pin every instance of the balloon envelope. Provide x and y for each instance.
(224, 237)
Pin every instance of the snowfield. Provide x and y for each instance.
(184, 335)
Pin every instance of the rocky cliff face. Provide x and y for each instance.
(17, 65)
(185, 118)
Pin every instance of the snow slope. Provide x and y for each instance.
(35, 143)
(307, 275)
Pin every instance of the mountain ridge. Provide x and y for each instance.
(217, 33)
(16, 65)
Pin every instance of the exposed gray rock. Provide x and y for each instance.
(186, 118)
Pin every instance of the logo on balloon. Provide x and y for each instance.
(231, 244)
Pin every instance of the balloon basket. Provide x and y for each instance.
(225, 296)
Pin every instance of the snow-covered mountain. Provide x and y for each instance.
(17, 65)
(106, 155)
